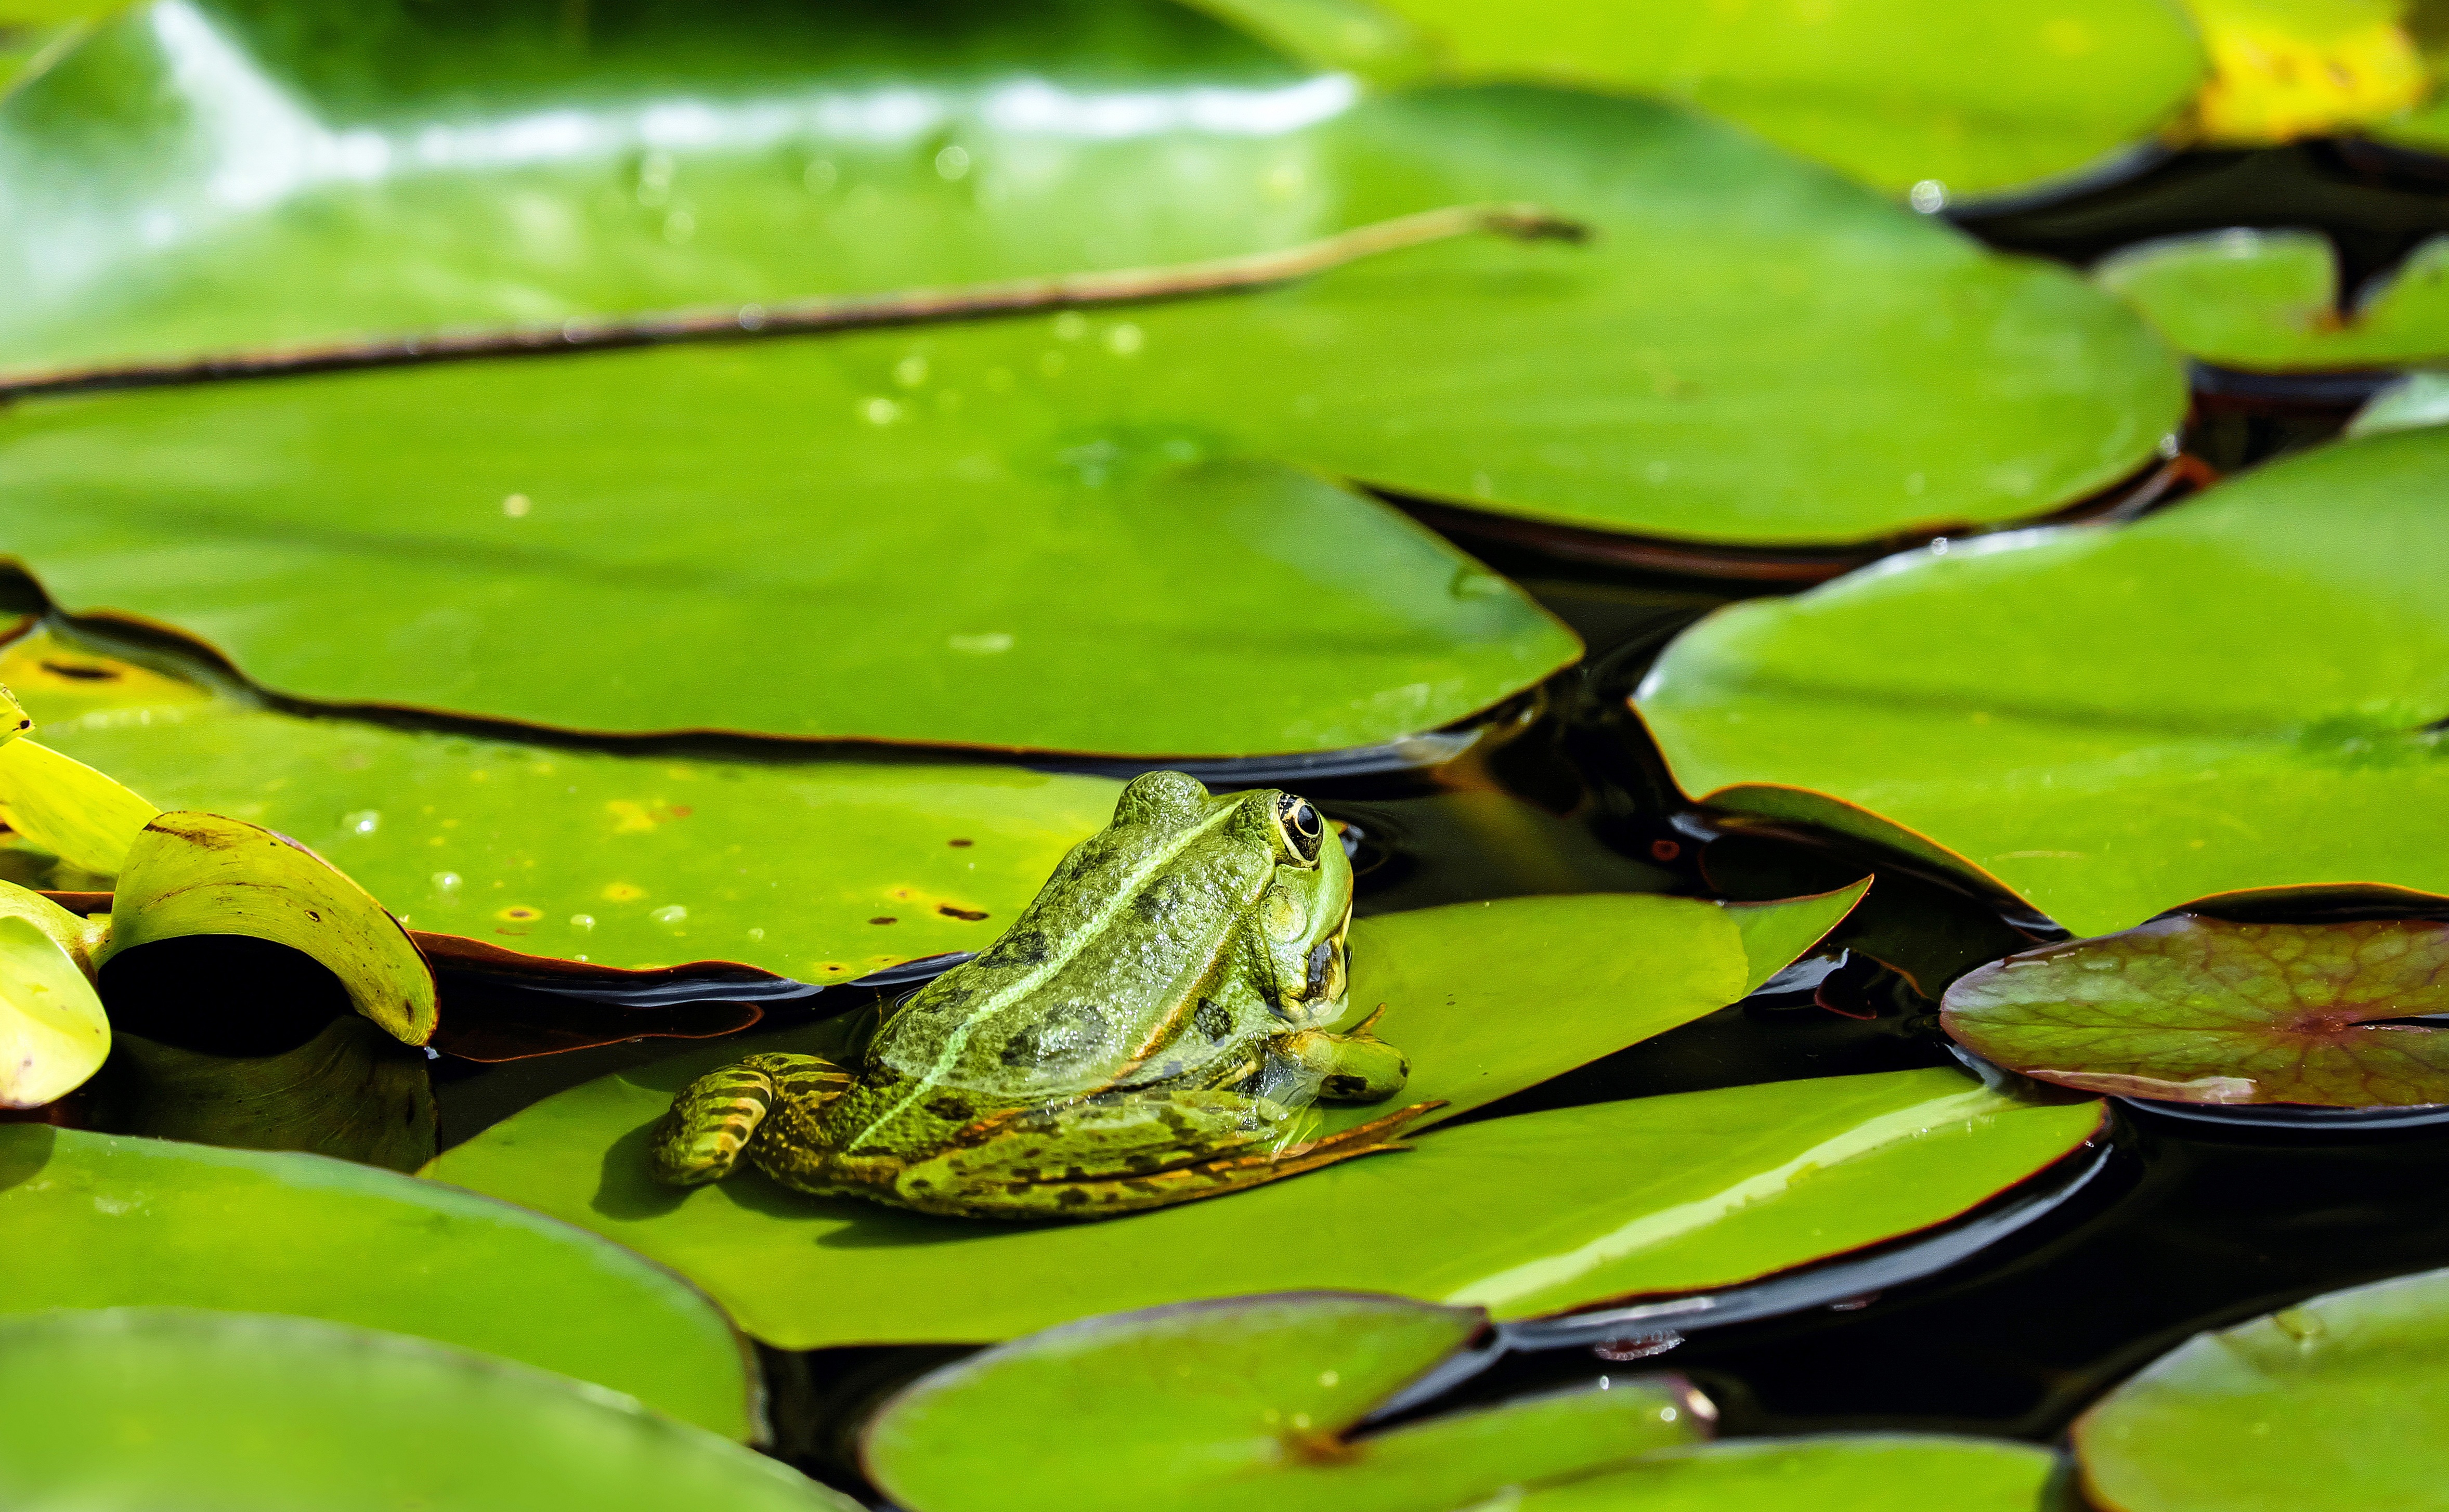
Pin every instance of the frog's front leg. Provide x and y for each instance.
(1355, 1066)
(715, 1117)
(1120, 1154)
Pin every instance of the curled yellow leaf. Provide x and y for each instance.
(68, 808)
(53, 1031)
(2280, 72)
(191, 873)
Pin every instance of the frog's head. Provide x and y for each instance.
(1302, 908)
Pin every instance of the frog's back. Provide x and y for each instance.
(1113, 953)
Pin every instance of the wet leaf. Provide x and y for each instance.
(1248, 1403)
(2269, 301)
(222, 1412)
(622, 861)
(2203, 1010)
(53, 1034)
(912, 510)
(192, 873)
(1973, 97)
(110, 1221)
(2110, 723)
(350, 1091)
(2332, 1403)
(2282, 69)
(1534, 1214)
(63, 806)
(1869, 1472)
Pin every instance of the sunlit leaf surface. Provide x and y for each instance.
(2286, 68)
(2202, 1010)
(105, 1221)
(2333, 1402)
(223, 1412)
(2270, 301)
(623, 861)
(1243, 1405)
(1533, 1215)
(1870, 1472)
(53, 1034)
(2241, 692)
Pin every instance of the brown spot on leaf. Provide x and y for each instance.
(972, 915)
(960, 844)
(884, 918)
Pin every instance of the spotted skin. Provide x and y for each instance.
(1143, 1034)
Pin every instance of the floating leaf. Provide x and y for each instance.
(192, 873)
(2203, 1010)
(350, 1091)
(1867, 1472)
(53, 1034)
(67, 808)
(1248, 1403)
(76, 936)
(2412, 403)
(1972, 97)
(1534, 1214)
(913, 511)
(2110, 723)
(623, 860)
(218, 1412)
(2334, 1403)
(2282, 69)
(105, 1221)
(2269, 301)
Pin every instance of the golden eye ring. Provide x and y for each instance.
(1301, 828)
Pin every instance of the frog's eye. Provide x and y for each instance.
(1301, 828)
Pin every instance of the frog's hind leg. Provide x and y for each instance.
(715, 1117)
(1146, 1149)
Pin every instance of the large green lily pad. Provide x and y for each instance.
(2206, 1010)
(2107, 723)
(2333, 1402)
(1868, 1472)
(1969, 98)
(588, 541)
(1543, 1212)
(220, 1412)
(2269, 301)
(623, 860)
(1249, 1403)
(106, 1221)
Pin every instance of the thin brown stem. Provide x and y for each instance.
(855, 312)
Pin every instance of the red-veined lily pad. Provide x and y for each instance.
(2270, 301)
(622, 861)
(1867, 1472)
(590, 542)
(2338, 1401)
(2204, 1010)
(223, 1412)
(2110, 723)
(106, 1221)
(1967, 99)
(1248, 1403)
(1539, 1213)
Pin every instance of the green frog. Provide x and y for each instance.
(1142, 1035)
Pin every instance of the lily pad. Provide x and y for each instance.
(106, 1221)
(1970, 97)
(2412, 403)
(2270, 301)
(53, 1034)
(2110, 723)
(1249, 1403)
(914, 511)
(2204, 1010)
(622, 861)
(2284, 69)
(1868, 1472)
(2332, 1403)
(350, 1091)
(218, 1412)
(1545, 1212)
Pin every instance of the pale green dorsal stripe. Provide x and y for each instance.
(1670, 1224)
(1134, 883)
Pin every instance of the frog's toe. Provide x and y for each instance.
(710, 1123)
